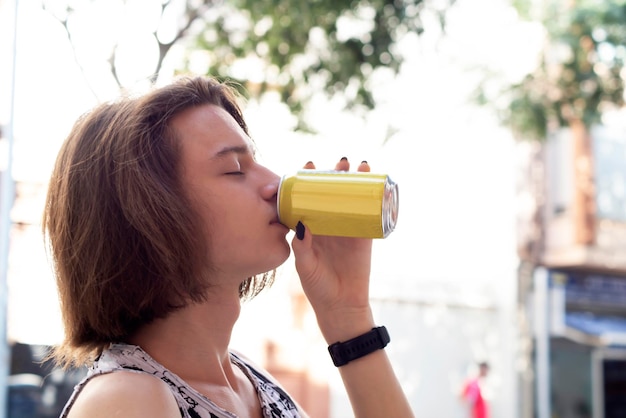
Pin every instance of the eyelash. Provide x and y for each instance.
(235, 173)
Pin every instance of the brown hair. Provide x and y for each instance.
(124, 241)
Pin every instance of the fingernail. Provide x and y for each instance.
(300, 231)
(344, 158)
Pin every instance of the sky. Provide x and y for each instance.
(454, 165)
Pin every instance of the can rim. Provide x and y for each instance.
(390, 205)
(278, 195)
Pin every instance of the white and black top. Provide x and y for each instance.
(192, 404)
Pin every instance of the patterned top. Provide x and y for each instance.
(275, 403)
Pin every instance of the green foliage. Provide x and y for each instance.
(299, 47)
(294, 48)
(581, 74)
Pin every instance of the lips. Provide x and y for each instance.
(276, 221)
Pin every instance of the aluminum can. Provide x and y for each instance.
(339, 203)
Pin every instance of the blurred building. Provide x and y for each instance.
(572, 240)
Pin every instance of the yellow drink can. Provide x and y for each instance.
(339, 203)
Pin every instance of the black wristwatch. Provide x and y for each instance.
(344, 352)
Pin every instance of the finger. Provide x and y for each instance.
(364, 167)
(343, 165)
(309, 166)
(302, 244)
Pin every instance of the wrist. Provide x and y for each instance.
(343, 352)
(345, 324)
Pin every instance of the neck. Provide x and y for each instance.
(193, 341)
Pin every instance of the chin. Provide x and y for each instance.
(270, 262)
(281, 258)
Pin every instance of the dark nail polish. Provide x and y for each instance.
(344, 158)
(300, 231)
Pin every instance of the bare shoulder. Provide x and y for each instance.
(126, 394)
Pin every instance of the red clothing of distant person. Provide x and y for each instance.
(473, 395)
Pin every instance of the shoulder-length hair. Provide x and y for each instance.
(124, 240)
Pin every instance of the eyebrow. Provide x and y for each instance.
(240, 149)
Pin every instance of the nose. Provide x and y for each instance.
(269, 190)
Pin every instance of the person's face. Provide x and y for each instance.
(233, 194)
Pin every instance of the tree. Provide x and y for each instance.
(581, 73)
(293, 47)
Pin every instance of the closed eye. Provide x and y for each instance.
(235, 173)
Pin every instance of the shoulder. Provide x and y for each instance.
(124, 393)
(262, 374)
(258, 370)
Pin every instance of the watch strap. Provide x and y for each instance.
(344, 352)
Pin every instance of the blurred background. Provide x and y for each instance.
(502, 121)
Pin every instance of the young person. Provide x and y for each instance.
(160, 221)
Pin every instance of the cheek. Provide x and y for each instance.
(208, 217)
(223, 228)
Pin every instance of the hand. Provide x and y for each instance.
(335, 272)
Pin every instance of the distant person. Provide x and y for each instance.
(472, 393)
(160, 221)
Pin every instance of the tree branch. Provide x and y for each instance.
(63, 23)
